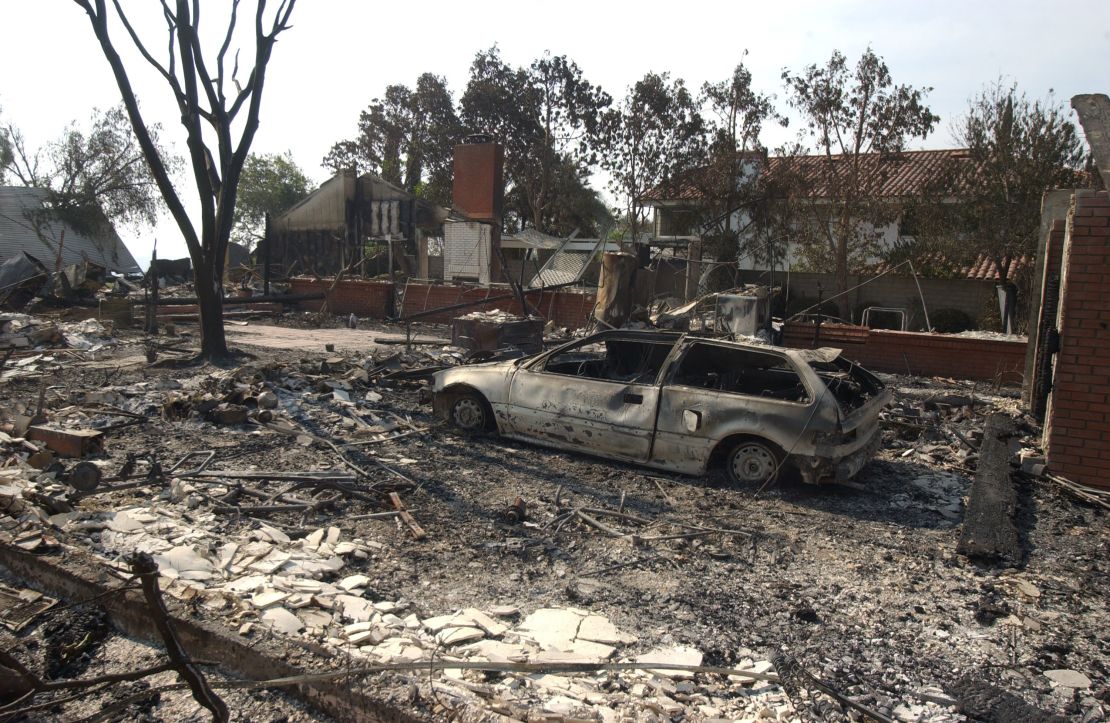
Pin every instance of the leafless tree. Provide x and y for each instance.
(210, 110)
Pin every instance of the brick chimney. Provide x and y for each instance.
(479, 180)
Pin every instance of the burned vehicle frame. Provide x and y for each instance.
(679, 403)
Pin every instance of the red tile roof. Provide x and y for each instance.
(886, 176)
(937, 265)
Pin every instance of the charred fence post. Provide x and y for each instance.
(990, 530)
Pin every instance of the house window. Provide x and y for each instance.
(676, 222)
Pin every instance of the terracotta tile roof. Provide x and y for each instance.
(937, 265)
(886, 176)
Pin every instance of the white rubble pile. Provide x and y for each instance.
(307, 588)
(493, 316)
(87, 335)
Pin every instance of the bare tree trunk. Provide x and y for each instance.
(213, 342)
(843, 304)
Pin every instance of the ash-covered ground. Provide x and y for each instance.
(860, 584)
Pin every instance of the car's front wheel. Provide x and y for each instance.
(470, 413)
(753, 461)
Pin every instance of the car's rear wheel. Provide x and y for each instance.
(470, 413)
(753, 461)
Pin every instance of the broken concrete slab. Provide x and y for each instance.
(674, 655)
(282, 620)
(1069, 678)
(598, 629)
(456, 635)
(552, 627)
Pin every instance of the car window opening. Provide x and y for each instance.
(618, 360)
(740, 371)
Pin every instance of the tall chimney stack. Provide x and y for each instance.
(479, 182)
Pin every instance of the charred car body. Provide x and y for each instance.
(679, 403)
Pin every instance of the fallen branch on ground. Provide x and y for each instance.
(146, 570)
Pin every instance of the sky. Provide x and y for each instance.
(340, 54)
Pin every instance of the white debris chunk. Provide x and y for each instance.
(181, 559)
(352, 581)
(552, 627)
(599, 630)
(1069, 678)
(454, 636)
(282, 620)
(267, 598)
(676, 655)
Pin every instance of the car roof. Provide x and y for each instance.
(675, 336)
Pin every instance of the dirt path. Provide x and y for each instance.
(314, 340)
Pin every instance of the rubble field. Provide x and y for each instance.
(309, 499)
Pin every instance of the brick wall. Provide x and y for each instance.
(569, 308)
(918, 353)
(1077, 429)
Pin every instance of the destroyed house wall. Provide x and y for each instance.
(568, 308)
(915, 353)
(1077, 428)
(971, 296)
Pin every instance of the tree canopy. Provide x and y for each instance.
(655, 135)
(1018, 148)
(92, 173)
(731, 178)
(850, 112)
(270, 184)
(407, 137)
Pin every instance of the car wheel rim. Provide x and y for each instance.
(469, 414)
(753, 463)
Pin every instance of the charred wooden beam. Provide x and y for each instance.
(990, 530)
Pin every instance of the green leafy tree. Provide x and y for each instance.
(1017, 149)
(271, 183)
(6, 155)
(219, 115)
(732, 182)
(851, 112)
(407, 137)
(990, 201)
(548, 117)
(651, 140)
(93, 174)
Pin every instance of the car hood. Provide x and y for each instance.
(474, 374)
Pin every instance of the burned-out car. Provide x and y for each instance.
(679, 403)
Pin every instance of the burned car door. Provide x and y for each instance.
(599, 395)
(715, 390)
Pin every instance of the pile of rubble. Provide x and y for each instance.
(311, 501)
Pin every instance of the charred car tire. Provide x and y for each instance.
(470, 413)
(752, 461)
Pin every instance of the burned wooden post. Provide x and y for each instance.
(614, 294)
(990, 530)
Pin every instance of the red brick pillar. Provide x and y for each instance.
(1077, 427)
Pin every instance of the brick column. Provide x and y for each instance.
(1077, 427)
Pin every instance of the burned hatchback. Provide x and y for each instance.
(679, 403)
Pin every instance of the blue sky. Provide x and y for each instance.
(342, 53)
